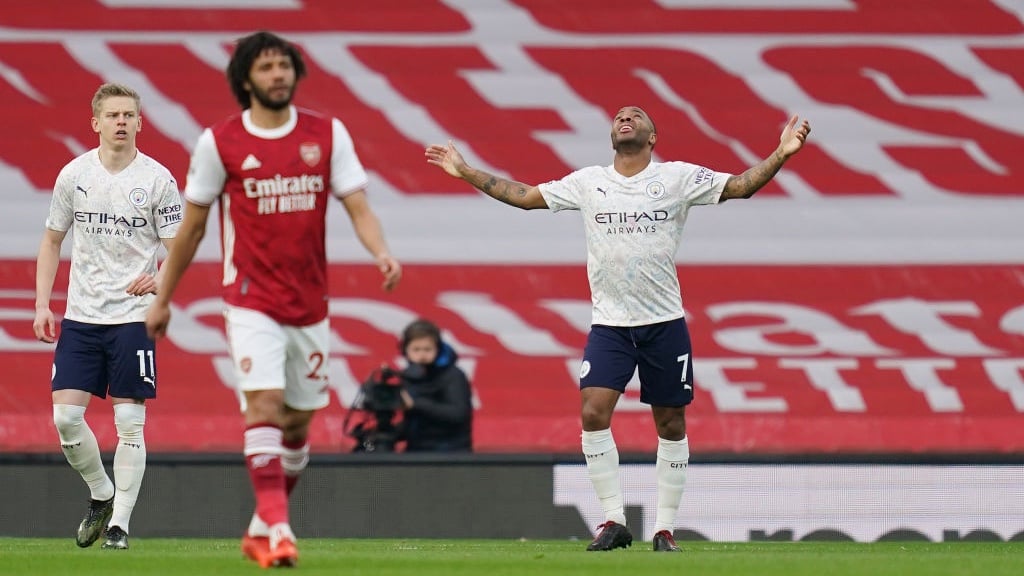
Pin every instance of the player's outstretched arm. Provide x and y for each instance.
(752, 180)
(510, 192)
(180, 255)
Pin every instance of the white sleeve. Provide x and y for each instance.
(562, 194)
(62, 210)
(704, 185)
(347, 174)
(206, 173)
(167, 211)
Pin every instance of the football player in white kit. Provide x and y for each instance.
(633, 213)
(122, 205)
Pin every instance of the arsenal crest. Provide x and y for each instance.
(310, 153)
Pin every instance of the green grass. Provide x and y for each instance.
(357, 557)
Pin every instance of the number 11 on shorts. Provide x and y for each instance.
(149, 377)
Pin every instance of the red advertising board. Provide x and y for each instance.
(787, 358)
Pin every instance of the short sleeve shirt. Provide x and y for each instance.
(117, 222)
(273, 187)
(633, 228)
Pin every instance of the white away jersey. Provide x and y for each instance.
(117, 222)
(633, 228)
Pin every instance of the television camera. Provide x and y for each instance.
(378, 404)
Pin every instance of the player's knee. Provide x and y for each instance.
(673, 431)
(595, 418)
(265, 406)
(130, 419)
(295, 426)
(671, 423)
(68, 420)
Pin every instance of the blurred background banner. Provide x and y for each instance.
(869, 300)
(783, 503)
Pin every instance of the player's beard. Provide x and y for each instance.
(263, 97)
(630, 145)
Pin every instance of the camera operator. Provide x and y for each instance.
(436, 393)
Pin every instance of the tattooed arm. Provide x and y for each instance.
(754, 178)
(508, 191)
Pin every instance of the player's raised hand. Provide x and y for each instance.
(447, 157)
(157, 318)
(144, 284)
(793, 136)
(391, 270)
(44, 325)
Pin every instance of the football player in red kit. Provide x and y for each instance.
(273, 167)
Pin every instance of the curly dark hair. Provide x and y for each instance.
(247, 49)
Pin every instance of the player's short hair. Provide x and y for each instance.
(654, 129)
(420, 328)
(247, 50)
(111, 90)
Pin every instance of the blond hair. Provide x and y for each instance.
(110, 90)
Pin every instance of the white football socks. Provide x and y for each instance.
(603, 468)
(79, 446)
(295, 460)
(129, 460)
(257, 527)
(670, 470)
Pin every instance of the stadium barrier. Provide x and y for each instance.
(547, 497)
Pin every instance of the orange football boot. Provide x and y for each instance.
(257, 549)
(284, 554)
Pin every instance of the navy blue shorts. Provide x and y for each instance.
(661, 351)
(97, 358)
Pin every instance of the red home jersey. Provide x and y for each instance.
(273, 186)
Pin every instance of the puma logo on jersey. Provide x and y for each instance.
(251, 163)
(601, 190)
(84, 191)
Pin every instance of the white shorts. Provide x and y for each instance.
(269, 356)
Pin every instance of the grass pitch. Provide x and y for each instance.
(357, 557)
